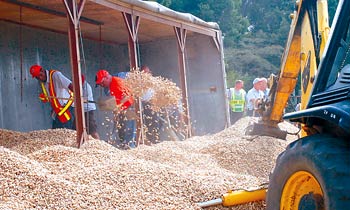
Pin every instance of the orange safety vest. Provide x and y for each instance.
(63, 113)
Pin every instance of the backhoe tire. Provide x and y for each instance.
(313, 173)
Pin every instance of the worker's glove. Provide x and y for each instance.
(43, 98)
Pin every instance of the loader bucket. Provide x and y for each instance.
(261, 129)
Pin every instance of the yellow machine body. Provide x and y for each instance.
(299, 58)
(313, 172)
(242, 196)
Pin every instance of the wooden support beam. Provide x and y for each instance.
(155, 16)
(181, 43)
(73, 36)
(217, 40)
(51, 11)
(132, 24)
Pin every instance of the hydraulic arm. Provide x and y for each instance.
(306, 41)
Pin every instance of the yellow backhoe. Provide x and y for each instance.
(313, 172)
(305, 45)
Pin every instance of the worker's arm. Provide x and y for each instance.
(62, 81)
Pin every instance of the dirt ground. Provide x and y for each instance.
(45, 170)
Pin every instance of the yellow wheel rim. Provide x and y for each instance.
(300, 185)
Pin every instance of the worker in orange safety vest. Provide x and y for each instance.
(58, 90)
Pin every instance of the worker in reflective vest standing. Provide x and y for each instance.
(237, 101)
(58, 90)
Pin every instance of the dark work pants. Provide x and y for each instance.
(235, 116)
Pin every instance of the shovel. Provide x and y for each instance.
(104, 103)
(168, 131)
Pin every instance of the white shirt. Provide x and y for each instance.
(228, 93)
(61, 84)
(253, 94)
(148, 95)
(87, 95)
(266, 92)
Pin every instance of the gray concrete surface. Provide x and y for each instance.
(21, 47)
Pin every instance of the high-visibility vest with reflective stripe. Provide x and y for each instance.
(63, 113)
(237, 101)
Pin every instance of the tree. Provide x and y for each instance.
(227, 15)
(225, 12)
(255, 31)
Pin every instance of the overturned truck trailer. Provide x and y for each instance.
(80, 37)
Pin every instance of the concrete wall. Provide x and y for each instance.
(161, 56)
(204, 70)
(20, 108)
(21, 47)
(205, 84)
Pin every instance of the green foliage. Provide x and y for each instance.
(232, 76)
(248, 53)
(225, 12)
(227, 15)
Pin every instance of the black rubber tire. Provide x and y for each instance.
(326, 158)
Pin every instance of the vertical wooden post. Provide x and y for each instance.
(218, 40)
(132, 23)
(73, 15)
(181, 43)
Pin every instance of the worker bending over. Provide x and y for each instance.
(58, 90)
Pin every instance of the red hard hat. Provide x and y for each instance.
(100, 75)
(82, 79)
(35, 70)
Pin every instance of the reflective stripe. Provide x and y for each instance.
(55, 102)
(65, 107)
(67, 115)
(44, 90)
(237, 102)
(63, 113)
